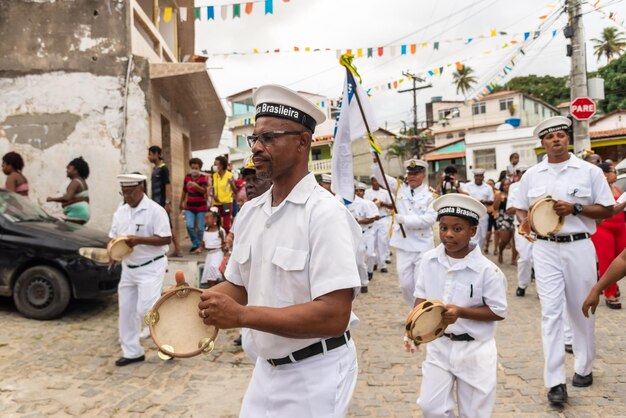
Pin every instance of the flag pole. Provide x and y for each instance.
(369, 135)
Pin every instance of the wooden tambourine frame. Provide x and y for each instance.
(175, 326)
(425, 321)
(543, 219)
(118, 249)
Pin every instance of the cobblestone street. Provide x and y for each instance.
(65, 367)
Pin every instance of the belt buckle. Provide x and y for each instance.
(271, 362)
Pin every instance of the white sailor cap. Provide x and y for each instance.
(460, 205)
(280, 102)
(360, 186)
(479, 172)
(327, 178)
(128, 180)
(415, 166)
(553, 124)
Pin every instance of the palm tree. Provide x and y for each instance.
(463, 78)
(610, 44)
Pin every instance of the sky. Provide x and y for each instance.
(342, 24)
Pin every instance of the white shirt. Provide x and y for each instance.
(416, 211)
(470, 282)
(482, 192)
(381, 195)
(305, 249)
(148, 219)
(578, 182)
(511, 199)
(212, 239)
(363, 209)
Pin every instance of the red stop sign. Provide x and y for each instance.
(582, 108)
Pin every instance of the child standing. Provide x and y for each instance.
(474, 292)
(213, 243)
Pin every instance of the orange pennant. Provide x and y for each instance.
(413, 48)
(249, 8)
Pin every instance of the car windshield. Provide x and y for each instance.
(17, 208)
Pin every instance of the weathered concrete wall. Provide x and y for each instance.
(64, 35)
(52, 118)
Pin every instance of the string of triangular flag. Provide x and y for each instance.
(226, 11)
(610, 15)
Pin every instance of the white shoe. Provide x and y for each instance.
(145, 333)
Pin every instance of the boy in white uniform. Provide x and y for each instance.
(481, 191)
(522, 245)
(366, 213)
(474, 292)
(380, 197)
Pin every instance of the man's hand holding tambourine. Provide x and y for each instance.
(524, 230)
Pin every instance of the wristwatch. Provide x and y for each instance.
(578, 208)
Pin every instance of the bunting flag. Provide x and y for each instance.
(354, 110)
(210, 13)
(224, 12)
(269, 7)
(236, 10)
(249, 8)
(612, 16)
(167, 14)
(183, 14)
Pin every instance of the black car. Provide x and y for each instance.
(44, 261)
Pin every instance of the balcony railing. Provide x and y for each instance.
(146, 39)
(320, 166)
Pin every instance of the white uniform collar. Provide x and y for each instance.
(473, 260)
(298, 195)
(573, 161)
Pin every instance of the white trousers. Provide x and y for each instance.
(320, 386)
(525, 261)
(382, 240)
(407, 263)
(362, 261)
(565, 273)
(138, 290)
(472, 365)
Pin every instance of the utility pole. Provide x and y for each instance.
(578, 71)
(414, 90)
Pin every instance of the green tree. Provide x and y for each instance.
(552, 90)
(614, 75)
(463, 79)
(611, 44)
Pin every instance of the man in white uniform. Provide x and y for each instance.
(482, 192)
(522, 245)
(146, 225)
(292, 275)
(565, 263)
(366, 213)
(380, 197)
(417, 216)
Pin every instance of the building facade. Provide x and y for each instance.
(103, 80)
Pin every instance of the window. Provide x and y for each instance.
(479, 108)
(316, 154)
(449, 136)
(461, 134)
(242, 144)
(506, 103)
(453, 112)
(485, 158)
(242, 108)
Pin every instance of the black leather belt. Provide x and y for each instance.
(461, 337)
(130, 266)
(565, 238)
(312, 350)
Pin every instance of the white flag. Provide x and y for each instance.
(350, 126)
(183, 14)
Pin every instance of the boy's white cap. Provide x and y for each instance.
(272, 100)
(327, 178)
(460, 205)
(128, 180)
(360, 186)
(553, 124)
(479, 172)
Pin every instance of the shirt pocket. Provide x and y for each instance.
(536, 193)
(579, 194)
(291, 278)
(241, 255)
(467, 295)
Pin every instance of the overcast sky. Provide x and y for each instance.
(341, 24)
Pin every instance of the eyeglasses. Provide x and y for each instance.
(268, 137)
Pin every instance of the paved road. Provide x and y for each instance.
(65, 367)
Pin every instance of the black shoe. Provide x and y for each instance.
(387, 261)
(520, 292)
(363, 289)
(370, 276)
(237, 341)
(582, 381)
(375, 267)
(384, 270)
(123, 361)
(193, 249)
(558, 394)
(569, 349)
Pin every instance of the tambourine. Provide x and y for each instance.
(175, 326)
(425, 321)
(543, 219)
(118, 248)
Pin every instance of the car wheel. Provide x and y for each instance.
(41, 292)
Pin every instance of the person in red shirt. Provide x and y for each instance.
(194, 202)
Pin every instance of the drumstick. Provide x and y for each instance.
(180, 277)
